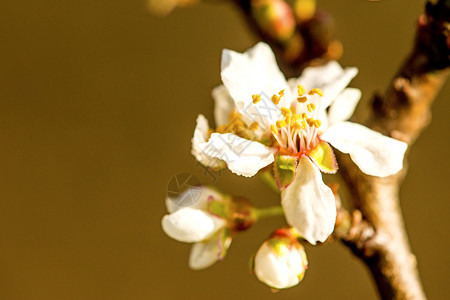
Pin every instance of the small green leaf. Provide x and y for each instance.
(284, 170)
(323, 158)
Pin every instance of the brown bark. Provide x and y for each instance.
(402, 112)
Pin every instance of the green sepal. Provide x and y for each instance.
(323, 157)
(224, 243)
(218, 208)
(284, 170)
(281, 246)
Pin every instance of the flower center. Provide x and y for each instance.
(296, 133)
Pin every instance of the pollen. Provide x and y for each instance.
(317, 123)
(254, 126)
(300, 90)
(295, 118)
(281, 93)
(310, 122)
(256, 98)
(274, 129)
(303, 124)
(304, 116)
(296, 126)
(288, 119)
(302, 99)
(311, 107)
(286, 111)
(275, 99)
(281, 124)
(316, 91)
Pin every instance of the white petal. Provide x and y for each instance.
(243, 157)
(374, 153)
(254, 72)
(309, 204)
(275, 271)
(343, 106)
(197, 198)
(223, 105)
(204, 254)
(188, 225)
(200, 137)
(330, 78)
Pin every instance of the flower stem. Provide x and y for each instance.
(265, 212)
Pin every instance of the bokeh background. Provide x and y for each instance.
(98, 101)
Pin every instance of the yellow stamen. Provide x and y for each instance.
(302, 99)
(310, 122)
(254, 126)
(274, 129)
(288, 119)
(281, 123)
(300, 90)
(281, 93)
(256, 98)
(275, 99)
(311, 107)
(317, 123)
(316, 91)
(303, 124)
(296, 126)
(286, 111)
(304, 116)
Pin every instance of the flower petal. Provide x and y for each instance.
(243, 157)
(188, 225)
(200, 201)
(330, 78)
(374, 153)
(223, 105)
(204, 254)
(309, 204)
(343, 106)
(200, 137)
(250, 73)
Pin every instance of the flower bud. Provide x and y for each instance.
(274, 17)
(281, 260)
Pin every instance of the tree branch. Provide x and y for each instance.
(402, 112)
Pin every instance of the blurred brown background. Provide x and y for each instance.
(98, 105)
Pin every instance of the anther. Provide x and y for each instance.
(302, 99)
(254, 126)
(274, 129)
(256, 98)
(281, 123)
(300, 90)
(275, 99)
(281, 93)
(316, 91)
(286, 111)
